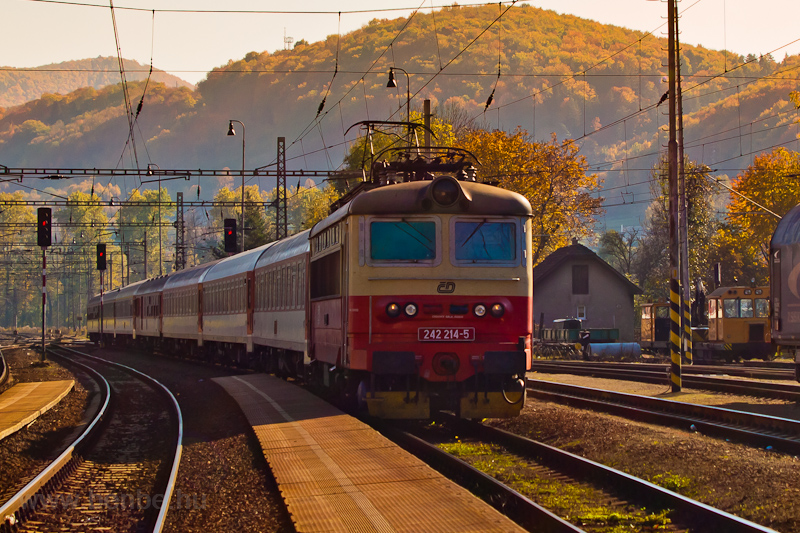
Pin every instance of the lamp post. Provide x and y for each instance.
(231, 131)
(392, 83)
(160, 258)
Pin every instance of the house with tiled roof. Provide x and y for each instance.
(574, 282)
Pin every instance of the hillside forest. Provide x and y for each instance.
(573, 124)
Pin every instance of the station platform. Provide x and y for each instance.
(25, 402)
(335, 473)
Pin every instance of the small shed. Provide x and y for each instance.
(574, 282)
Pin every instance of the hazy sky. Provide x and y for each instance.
(38, 32)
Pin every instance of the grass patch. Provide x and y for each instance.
(673, 482)
(578, 503)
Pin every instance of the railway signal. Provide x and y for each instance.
(43, 237)
(230, 235)
(101, 257)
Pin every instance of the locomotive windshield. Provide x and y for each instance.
(402, 240)
(743, 308)
(485, 241)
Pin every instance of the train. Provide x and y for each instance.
(784, 265)
(413, 296)
(734, 326)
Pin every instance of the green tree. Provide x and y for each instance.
(619, 248)
(651, 267)
(20, 259)
(139, 226)
(85, 225)
(258, 228)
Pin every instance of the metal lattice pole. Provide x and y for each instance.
(281, 217)
(180, 237)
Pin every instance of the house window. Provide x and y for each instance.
(580, 279)
(581, 312)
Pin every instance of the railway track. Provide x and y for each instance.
(119, 473)
(658, 374)
(612, 487)
(758, 430)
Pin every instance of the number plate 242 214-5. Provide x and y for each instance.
(446, 334)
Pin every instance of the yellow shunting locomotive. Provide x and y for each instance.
(733, 326)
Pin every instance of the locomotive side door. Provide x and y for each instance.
(326, 291)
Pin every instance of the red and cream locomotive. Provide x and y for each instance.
(413, 296)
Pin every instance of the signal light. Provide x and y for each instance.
(101, 257)
(230, 234)
(43, 229)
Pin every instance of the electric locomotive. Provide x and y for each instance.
(421, 291)
(413, 296)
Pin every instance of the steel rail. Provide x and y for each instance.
(4, 373)
(737, 386)
(24, 502)
(160, 520)
(510, 502)
(699, 513)
(762, 430)
(783, 371)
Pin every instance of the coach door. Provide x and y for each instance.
(326, 289)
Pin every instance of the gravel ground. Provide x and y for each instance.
(756, 484)
(25, 453)
(224, 483)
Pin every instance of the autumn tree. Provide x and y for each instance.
(309, 205)
(769, 184)
(552, 176)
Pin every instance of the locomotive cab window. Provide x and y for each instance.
(484, 242)
(403, 241)
(738, 308)
(762, 307)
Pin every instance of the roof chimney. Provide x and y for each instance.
(574, 241)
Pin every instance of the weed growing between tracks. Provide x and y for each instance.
(752, 483)
(579, 503)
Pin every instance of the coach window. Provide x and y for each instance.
(403, 242)
(484, 242)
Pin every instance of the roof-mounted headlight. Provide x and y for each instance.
(445, 191)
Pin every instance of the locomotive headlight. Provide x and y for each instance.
(445, 191)
(411, 309)
(393, 310)
(479, 310)
(497, 310)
